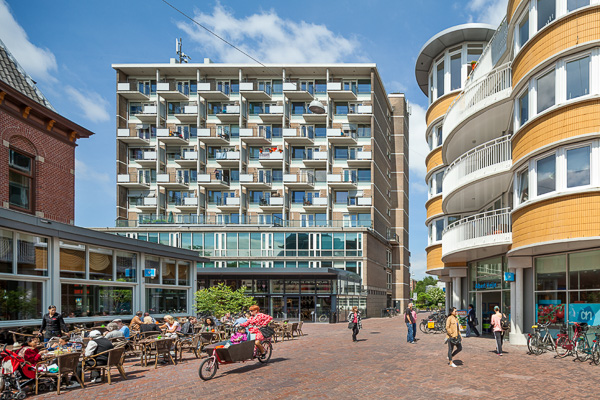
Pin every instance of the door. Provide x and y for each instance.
(292, 308)
(323, 309)
(307, 308)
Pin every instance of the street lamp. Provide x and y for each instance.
(316, 107)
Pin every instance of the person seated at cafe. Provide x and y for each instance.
(225, 319)
(188, 327)
(240, 336)
(147, 315)
(242, 319)
(112, 331)
(122, 327)
(208, 325)
(135, 323)
(62, 344)
(30, 351)
(149, 325)
(98, 344)
(170, 326)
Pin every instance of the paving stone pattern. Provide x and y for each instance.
(326, 364)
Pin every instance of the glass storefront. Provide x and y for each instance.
(166, 301)
(82, 300)
(20, 300)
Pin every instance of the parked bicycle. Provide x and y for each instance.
(435, 323)
(538, 343)
(566, 345)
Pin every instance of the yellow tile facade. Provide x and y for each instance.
(434, 207)
(434, 159)
(434, 257)
(439, 107)
(512, 8)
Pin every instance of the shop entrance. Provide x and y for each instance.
(486, 301)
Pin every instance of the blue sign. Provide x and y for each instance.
(509, 277)
(150, 273)
(486, 285)
(588, 313)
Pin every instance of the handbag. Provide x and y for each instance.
(267, 331)
(351, 325)
(455, 340)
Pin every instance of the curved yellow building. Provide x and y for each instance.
(514, 167)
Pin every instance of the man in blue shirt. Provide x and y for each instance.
(122, 328)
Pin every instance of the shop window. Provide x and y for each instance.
(292, 286)
(276, 285)
(152, 270)
(166, 301)
(20, 300)
(72, 260)
(546, 91)
(96, 300)
(550, 307)
(6, 252)
(308, 286)
(551, 272)
(168, 272)
(101, 264)
(126, 266)
(183, 274)
(578, 166)
(32, 255)
(584, 271)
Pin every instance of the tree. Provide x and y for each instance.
(221, 299)
(436, 295)
(423, 283)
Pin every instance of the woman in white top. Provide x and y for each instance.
(171, 326)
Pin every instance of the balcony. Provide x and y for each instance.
(228, 158)
(338, 93)
(341, 136)
(187, 114)
(148, 159)
(211, 92)
(298, 136)
(187, 204)
(228, 203)
(360, 115)
(342, 181)
(256, 181)
(171, 137)
(360, 159)
(213, 136)
(315, 203)
(130, 91)
(188, 159)
(271, 203)
(294, 92)
(259, 135)
(275, 115)
(133, 137)
(147, 203)
(148, 114)
(477, 236)
(172, 91)
(359, 203)
(133, 181)
(477, 177)
(315, 159)
(215, 180)
(254, 92)
(229, 114)
(477, 112)
(304, 180)
(172, 181)
(271, 158)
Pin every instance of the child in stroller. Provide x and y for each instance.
(16, 374)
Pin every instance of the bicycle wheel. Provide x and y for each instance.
(596, 354)
(531, 344)
(561, 346)
(549, 343)
(582, 351)
(423, 327)
(208, 369)
(264, 358)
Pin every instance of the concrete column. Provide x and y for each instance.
(448, 296)
(456, 297)
(516, 300)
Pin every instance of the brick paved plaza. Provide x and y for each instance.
(325, 363)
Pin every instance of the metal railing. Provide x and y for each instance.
(479, 229)
(188, 219)
(485, 155)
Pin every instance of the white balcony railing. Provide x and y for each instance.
(495, 86)
(484, 229)
(483, 160)
(227, 155)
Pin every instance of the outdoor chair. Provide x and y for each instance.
(294, 329)
(115, 360)
(287, 332)
(299, 329)
(188, 343)
(162, 348)
(67, 364)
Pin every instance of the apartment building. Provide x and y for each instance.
(290, 178)
(514, 167)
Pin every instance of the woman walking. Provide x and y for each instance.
(355, 321)
(496, 322)
(453, 336)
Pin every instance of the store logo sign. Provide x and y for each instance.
(487, 285)
(588, 313)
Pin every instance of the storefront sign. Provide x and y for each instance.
(509, 277)
(150, 273)
(462, 318)
(486, 285)
(588, 313)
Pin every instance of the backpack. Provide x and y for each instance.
(504, 323)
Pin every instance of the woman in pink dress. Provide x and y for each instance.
(257, 321)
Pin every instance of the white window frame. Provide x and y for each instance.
(563, 164)
(533, 175)
(563, 78)
(534, 89)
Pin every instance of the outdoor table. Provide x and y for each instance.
(145, 347)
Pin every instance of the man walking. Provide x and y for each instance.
(472, 322)
(410, 320)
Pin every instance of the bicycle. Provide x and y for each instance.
(564, 344)
(596, 349)
(583, 349)
(536, 343)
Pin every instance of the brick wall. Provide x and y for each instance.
(54, 195)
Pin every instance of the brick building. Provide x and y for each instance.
(39, 145)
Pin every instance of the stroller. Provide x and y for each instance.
(16, 374)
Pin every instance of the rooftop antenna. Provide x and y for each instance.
(183, 58)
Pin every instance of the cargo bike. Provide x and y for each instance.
(235, 353)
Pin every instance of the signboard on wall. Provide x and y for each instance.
(462, 318)
(486, 285)
(509, 277)
(150, 273)
(585, 312)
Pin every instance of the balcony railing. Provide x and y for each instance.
(264, 178)
(186, 219)
(304, 177)
(474, 97)
(484, 229)
(227, 155)
(315, 155)
(462, 170)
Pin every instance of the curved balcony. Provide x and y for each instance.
(478, 176)
(477, 236)
(480, 109)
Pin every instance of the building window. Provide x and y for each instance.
(72, 260)
(575, 4)
(578, 78)
(523, 186)
(546, 91)
(523, 108)
(438, 135)
(578, 166)
(455, 72)
(20, 300)
(96, 300)
(546, 10)
(440, 79)
(524, 31)
(439, 228)
(438, 182)
(20, 180)
(546, 175)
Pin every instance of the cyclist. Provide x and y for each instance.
(255, 322)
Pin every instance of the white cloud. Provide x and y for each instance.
(417, 143)
(418, 187)
(38, 62)
(93, 106)
(418, 265)
(268, 38)
(487, 11)
(86, 173)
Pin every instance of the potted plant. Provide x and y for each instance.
(473, 65)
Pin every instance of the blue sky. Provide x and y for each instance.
(68, 46)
